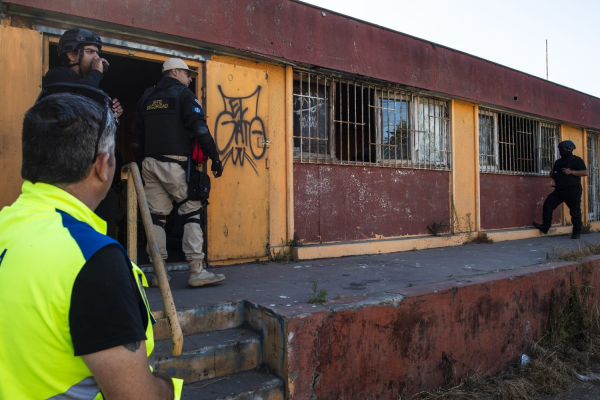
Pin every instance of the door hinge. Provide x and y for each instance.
(263, 142)
(203, 93)
(268, 163)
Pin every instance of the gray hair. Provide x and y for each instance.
(59, 135)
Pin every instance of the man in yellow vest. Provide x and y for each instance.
(75, 321)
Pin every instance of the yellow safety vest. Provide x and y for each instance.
(46, 237)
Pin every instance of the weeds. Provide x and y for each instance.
(480, 238)
(440, 227)
(317, 296)
(582, 252)
(283, 255)
(586, 228)
(571, 342)
(296, 241)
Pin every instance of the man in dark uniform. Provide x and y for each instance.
(79, 53)
(168, 121)
(567, 173)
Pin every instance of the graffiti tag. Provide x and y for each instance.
(238, 128)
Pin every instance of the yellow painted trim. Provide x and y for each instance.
(453, 214)
(477, 172)
(332, 250)
(289, 160)
(595, 225)
(584, 181)
(502, 235)
(221, 263)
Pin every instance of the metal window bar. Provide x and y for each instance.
(344, 121)
(311, 109)
(515, 144)
(593, 178)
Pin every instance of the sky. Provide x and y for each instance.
(509, 32)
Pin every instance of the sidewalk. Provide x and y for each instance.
(283, 285)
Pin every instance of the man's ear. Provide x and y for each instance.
(101, 167)
(73, 56)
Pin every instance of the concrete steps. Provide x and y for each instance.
(249, 385)
(222, 355)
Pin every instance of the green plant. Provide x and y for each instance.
(296, 241)
(411, 284)
(481, 237)
(283, 255)
(586, 228)
(317, 296)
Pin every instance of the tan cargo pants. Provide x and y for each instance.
(165, 182)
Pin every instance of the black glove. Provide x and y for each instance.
(217, 168)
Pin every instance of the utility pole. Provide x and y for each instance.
(546, 59)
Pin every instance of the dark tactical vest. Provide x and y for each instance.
(165, 133)
(561, 180)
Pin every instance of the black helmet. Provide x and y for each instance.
(72, 38)
(566, 144)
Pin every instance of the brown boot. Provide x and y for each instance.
(154, 282)
(199, 276)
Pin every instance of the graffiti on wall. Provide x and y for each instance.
(238, 130)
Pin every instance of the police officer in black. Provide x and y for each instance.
(169, 121)
(567, 173)
(79, 52)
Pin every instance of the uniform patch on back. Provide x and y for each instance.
(158, 104)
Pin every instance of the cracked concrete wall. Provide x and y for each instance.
(378, 347)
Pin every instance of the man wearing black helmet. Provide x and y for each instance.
(567, 173)
(79, 53)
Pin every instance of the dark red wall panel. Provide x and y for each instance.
(302, 34)
(512, 201)
(341, 203)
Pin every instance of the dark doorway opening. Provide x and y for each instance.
(126, 80)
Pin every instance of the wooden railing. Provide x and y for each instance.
(137, 197)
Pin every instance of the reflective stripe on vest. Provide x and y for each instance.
(87, 389)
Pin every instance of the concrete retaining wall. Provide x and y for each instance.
(378, 346)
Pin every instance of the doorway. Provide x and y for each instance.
(126, 79)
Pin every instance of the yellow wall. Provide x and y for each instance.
(20, 82)
(277, 150)
(465, 168)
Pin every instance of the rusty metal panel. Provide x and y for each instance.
(305, 34)
(20, 80)
(342, 203)
(237, 114)
(509, 201)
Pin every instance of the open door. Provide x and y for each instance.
(21, 82)
(237, 114)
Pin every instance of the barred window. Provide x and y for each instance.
(344, 121)
(514, 144)
(593, 184)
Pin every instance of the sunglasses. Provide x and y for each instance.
(91, 93)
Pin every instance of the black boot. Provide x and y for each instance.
(575, 235)
(541, 227)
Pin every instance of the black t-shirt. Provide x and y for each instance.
(67, 75)
(107, 309)
(563, 181)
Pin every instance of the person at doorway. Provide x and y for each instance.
(567, 173)
(75, 322)
(168, 120)
(79, 52)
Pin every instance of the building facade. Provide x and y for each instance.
(352, 138)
